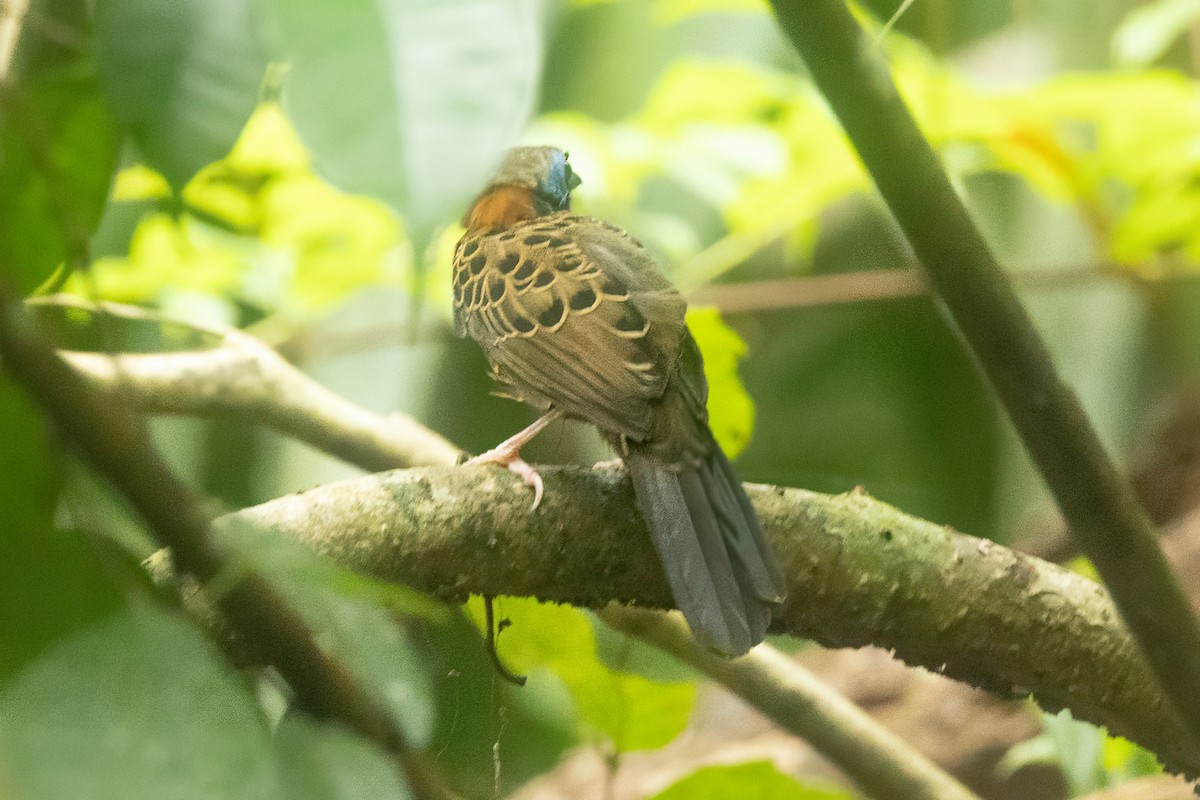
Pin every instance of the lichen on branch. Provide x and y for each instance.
(861, 572)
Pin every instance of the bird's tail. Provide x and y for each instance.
(722, 573)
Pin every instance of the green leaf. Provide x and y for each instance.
(486, 724)
(621, 652)
(757, 779)
(139, 705)
(631, 711)
(54, 579)
(1123, 760)
(668, 11)
(730, 409)
(1163, 219)
(183, 76)
(1151, 28)
(1090, 759)
(410, 102)
(349, 617)
(29, 476)
(323, 762)
(57, 155)
(273, 235)
(51, 576)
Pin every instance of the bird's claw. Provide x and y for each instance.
(517, 466)
(526, 472)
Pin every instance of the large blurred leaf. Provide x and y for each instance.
(631, 711)
(50, 576)
(758, 779)
(324, 762)
(349, 617)
(1149, 29)
(140, 705)
(50, 585)
(57, 151)
(410, 102)
(29, 476)
(184, 76)
(624, 653)
(490, 732)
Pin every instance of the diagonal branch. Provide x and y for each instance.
(243, 376)
(1105, 516)
(861, 572)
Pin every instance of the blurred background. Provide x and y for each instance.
(297, 169)
(1069, 128)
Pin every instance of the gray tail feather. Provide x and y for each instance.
(721, 572)
(745, 531)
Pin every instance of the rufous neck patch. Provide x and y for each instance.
(501, 208)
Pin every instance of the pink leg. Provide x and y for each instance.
(612, 463)
(508, 454)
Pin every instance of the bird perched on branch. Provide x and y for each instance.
(577, 321)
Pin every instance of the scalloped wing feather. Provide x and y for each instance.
(574, 313)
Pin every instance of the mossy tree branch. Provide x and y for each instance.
(861, 572)
(1099, 504)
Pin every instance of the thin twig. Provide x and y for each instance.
(812, 290)
(1097, 501)
(864, 286)
(879, 761)
(492, 636)
(242, 376)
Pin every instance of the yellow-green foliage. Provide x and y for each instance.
(630, 711)
(730, 408)
(755, 143)
(758, 779)
(284, 240)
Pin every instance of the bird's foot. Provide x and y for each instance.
(507, 454)
(510, 459)
(612, 463)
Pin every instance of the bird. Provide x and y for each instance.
(577, 321)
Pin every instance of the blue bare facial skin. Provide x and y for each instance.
(558, 181)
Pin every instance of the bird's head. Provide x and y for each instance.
(530, 182)
(544, 170)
